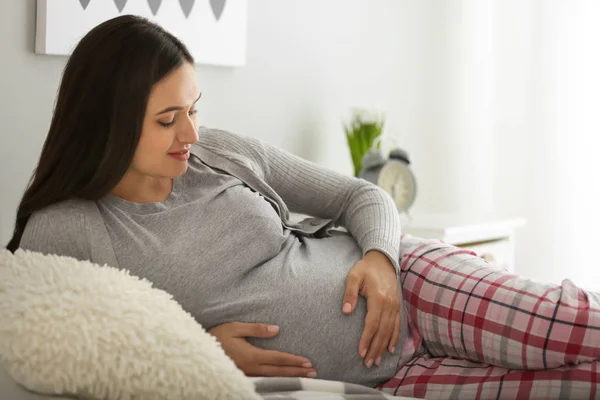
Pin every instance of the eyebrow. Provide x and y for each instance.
(177, 108)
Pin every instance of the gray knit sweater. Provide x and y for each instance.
(223, 245)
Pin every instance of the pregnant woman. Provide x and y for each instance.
(126, 177)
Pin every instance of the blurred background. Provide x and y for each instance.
(495, 101)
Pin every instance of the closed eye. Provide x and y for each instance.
(191, 113)
(167, 124)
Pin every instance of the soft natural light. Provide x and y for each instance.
(578, 186)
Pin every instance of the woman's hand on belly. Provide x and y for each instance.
(254, 361)
(374, 277)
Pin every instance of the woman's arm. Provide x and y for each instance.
(364, 209)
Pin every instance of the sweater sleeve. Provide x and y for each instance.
(58, 230)
(364, 209)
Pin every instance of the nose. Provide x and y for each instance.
(189, 132)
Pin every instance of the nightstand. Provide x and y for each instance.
(493, 240)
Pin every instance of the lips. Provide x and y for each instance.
(181, 155)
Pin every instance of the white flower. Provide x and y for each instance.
(367, 115)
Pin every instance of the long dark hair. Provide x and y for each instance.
(99, 113)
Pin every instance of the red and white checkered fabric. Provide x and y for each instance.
(478, 332)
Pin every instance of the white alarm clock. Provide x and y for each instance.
(392, 174)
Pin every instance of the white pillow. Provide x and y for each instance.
(75, 328)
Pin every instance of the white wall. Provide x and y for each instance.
(576, 215)
(470, 88)
(27, 87)
(309, 62)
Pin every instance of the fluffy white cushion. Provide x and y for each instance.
(75, 328)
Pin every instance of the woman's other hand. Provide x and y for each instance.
(374, 277)
(254, 361)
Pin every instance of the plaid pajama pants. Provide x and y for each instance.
(478, 332)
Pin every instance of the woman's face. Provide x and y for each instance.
(169, 127)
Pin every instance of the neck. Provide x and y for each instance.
(143, 189)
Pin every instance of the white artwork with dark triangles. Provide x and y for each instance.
(213, 30)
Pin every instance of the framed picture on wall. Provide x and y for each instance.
(213, 30)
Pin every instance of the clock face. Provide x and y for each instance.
(397, 179)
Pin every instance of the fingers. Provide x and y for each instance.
(243, 329)
(372, 321)
(381, 338)
(278, 358)
(353, 283)
(396, 334)
(277, 363)
(274, 370)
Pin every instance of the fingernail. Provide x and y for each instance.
(363, 353)
(273, 328)
(369, 363)
(347, 307)
(393, 349)
(378, 361)
(307, 365)
(312, 374)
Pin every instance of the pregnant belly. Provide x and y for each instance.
(301, 291)
(312, 325)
